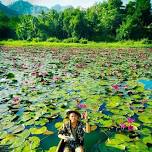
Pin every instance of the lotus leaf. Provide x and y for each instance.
(38, 130)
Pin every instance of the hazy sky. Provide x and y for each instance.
(49, 3)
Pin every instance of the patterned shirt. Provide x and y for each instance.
(68, 131)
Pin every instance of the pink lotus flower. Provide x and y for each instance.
(56, 78)
(130, 120)
(125, 87)
(16, 100)
(116, 87)
(130, 128)
(123, 126)
(44, 74)
(81, 105)
(34, 73)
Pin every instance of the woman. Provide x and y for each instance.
(73, 132)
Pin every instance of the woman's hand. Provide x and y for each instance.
(85, 115)
(66, 138)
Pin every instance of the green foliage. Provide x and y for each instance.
(27, 28)
(104, 21)
(83, 41)
(71, 40)
(6, 29)
(53, 39)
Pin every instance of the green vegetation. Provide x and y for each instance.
(38, 85)
(122, 44)
(107, 21)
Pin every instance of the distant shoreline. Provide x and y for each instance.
(123, 44)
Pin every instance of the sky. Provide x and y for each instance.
(50, 3)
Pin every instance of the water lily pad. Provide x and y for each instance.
(27, 147)
(113, 101)
(3, 108)
(7, 139)
(38, 130)
(147, 140)
(16, 129)
(24, 134)
(41, 122)
(118, 139)
(30, 122)
(137, 146)
(104, 148)
(34, 142)
(3, 134)
(58, 125)
(145, 131)
(107, 123)
(17, 142)
(52, 149)
(145, 117)
(10, 75)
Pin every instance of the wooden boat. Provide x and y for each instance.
(60, 146)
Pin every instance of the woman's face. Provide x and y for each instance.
(73, 117)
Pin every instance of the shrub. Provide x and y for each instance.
(53, 39)
(146, 41)
(37, 39)
(71, 40)
(83, 41)
(10, 40)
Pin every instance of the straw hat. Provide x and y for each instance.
(69, 111)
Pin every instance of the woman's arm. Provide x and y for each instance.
(63, 136)
(61, 133)
(87, 127)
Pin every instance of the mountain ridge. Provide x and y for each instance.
(7, 10)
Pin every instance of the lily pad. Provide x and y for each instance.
(10, 75)
(52, 149)
(145, 117)
(24, 134)
(16, 129)
(113, 101)
(17, 142)
(147, 140)
(38, 130)
(137, 146)
(34, 142)
(58, 125)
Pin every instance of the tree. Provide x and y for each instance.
(75, 23)
(115, 4)
(136, 24)
(27, 27)
(143, 11)
(6, 28)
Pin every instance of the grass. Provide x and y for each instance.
(123, 44)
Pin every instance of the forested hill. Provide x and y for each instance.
(24, 7)
(7, 10)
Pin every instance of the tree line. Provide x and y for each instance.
(104, 21)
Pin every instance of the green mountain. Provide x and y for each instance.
(24, 7)
(7, 10)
